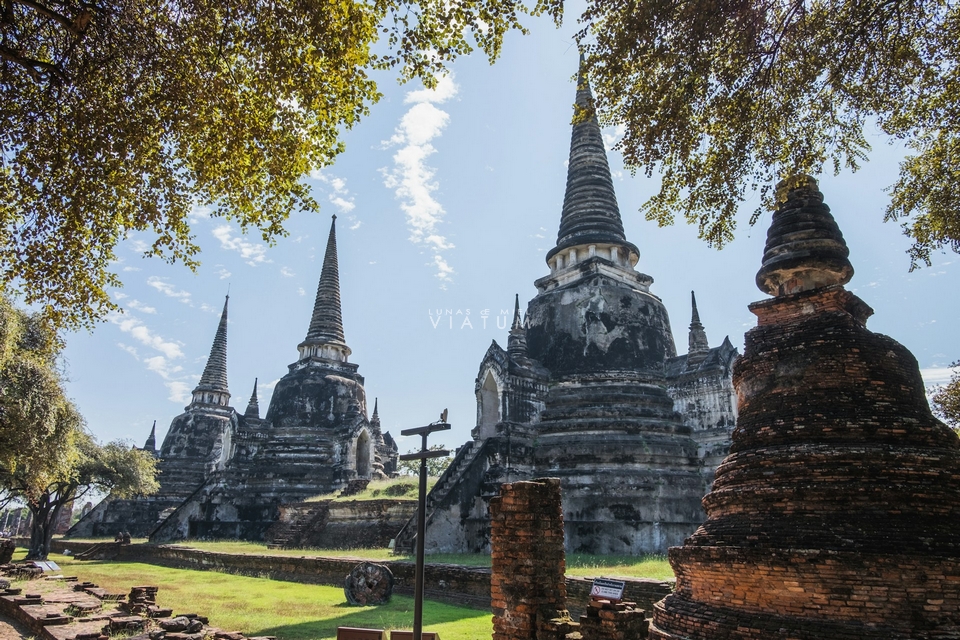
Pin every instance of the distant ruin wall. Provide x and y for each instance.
(326, 524)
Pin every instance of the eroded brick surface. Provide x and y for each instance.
(837, 513)
(527, 587)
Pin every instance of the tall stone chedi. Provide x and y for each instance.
(192, 449)
(837, 513)
(582, 394)
(628, 467)
(314, 439)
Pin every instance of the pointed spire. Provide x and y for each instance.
(590, 211)
(253, 407)
(212, 388)
(698, 337)
(517, 340)
(326, 323)
(151, 443)
(375, 418)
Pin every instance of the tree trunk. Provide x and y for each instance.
(38, 531)
(41, 532)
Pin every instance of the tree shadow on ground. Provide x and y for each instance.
(452, 623)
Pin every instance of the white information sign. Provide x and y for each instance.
(47, 565)
(607, 589)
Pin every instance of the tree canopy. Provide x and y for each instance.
(435, 466)
(946, 400)
(85, 466)
(122, 116)
(35, 417)
(47, 458)
(725, 98)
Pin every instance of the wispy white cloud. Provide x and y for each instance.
(253, 253)
(286, 272)
(412, 179)
(144, 335)
(179, 391)
(139, 246)
(446, 89)
(139, 306)
(223, 273)
(612, 135)
(444, 270)
(129, 349)
(936, 375)
(338, 193)
(163, 362)
(199, 213)
(128, 269)
(162, 366)
(168, 289)
(301, 291)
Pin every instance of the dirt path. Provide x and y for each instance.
(12, 630)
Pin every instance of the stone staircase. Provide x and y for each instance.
(406, 539)
(294, 531)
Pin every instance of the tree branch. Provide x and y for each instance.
(35, 68)
(77, 27)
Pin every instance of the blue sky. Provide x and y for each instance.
(447, 202)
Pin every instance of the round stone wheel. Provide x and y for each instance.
(368, 583)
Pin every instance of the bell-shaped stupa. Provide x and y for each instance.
(837, 513)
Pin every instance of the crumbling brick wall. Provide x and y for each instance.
(527, 584)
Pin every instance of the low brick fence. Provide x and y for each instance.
(455, 584)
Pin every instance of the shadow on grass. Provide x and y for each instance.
(452, 623)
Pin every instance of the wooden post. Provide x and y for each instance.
(423, 455)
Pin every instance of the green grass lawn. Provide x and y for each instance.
(402, 488)
(288, 610)
(590, 566)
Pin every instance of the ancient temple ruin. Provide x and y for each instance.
(590, 390)
(224, 474)
(837, 513)
(192, 448)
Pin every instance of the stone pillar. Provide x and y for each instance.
(837, 513)
(527, 586)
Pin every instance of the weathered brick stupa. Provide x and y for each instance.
(191, 450)
(315, 438)
(837, 513)
(581, 393)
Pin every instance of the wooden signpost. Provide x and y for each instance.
(423, 455)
